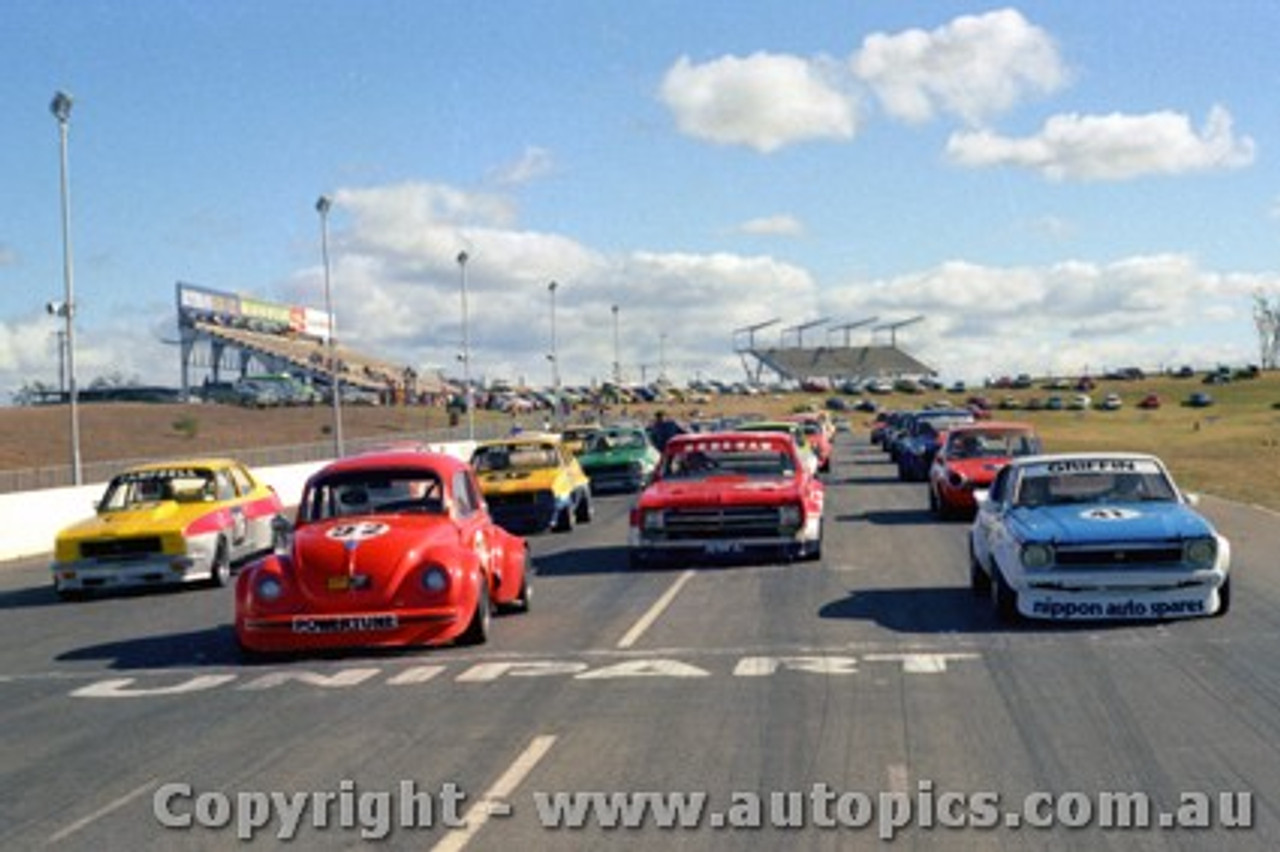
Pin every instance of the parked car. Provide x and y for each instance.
(728, 495)
(387, 549)
(1150, 401)
(532, 483)
(1199, 399)
(168, 523)
(618, 458)
(969, 459)
(1093, 536)
(1111, 402)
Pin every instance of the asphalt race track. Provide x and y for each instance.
(848, 696)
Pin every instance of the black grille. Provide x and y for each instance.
(1120, 556)
(723, 522)
(121, 548)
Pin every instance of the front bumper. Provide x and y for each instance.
(152, 570)
(294, 632)
(1070, 596)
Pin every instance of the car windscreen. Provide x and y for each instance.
(1095, 487)
(703, 464)
(374, 492)
(185, 485)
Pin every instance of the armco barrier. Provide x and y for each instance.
(31, 519)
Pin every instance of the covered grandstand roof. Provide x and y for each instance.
(841, 362)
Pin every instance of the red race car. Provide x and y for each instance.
(969, 457)
(388, 549)
(728, 495)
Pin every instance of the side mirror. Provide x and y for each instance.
(982, 499)
(1191, 498)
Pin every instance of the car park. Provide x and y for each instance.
(728, 496)
(970, 457)
(387, 549)
(532, 483)
(1095, 536)
(168, 523)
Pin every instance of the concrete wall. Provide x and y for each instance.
(30, 520)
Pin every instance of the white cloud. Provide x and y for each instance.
(781, 225)
(8, 257)
(533, 164)
(1110, 147)
(763, 101)
(974, 67)
(1063, 318)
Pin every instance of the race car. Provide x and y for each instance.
(387, 549)
(968, 460)
(1095, 536)
(818, 432)
(728, 496)
(618, 458)
(167, 523)
(532, 483)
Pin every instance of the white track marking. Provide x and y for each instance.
(494, 801)
(646, 620)
(101, 812)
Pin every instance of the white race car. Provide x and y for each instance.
(1095, 536)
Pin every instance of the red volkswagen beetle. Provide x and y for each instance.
(969, 457)
(392, 548)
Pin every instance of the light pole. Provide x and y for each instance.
(662, 357)
(61, 108)
(554, 357)
(466, 350)
(323, 205)
(617, 362)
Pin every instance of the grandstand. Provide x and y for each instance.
(837, 363)
(834, 364)
(226, 332)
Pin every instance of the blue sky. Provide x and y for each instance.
(1055, 186)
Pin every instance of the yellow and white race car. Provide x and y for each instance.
(532, 483)
(168, 523)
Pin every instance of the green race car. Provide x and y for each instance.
(619, 458)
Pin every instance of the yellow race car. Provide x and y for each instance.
(168, 523)
(532, 483)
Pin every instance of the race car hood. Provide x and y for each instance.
(1096, 523)
(621, 455)
(719, 490)
(980, 472)
(385, 550)
(146, 519)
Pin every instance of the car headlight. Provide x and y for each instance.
(1037, 556)
(790, 515)
(653, 520)
(269, 589)
(435, 579)
(1201, 553)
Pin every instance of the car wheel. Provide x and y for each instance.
(220, 570)
(814, 554)
(1004, 600)
(477, 632)
(584, 512)
(70, 594)
(1224, 598)
(979, 580)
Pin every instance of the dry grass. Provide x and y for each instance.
(1231, 449)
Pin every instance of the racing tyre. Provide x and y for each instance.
(70, 594)
(814, 553)
(583, 512)
(1004, 600)
(220, 570)
(477, 632)
(979, 580)
(1224, 598)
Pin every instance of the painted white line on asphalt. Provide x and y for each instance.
(494, 801)
(637, 630)
(101, 812)
(898, 777)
